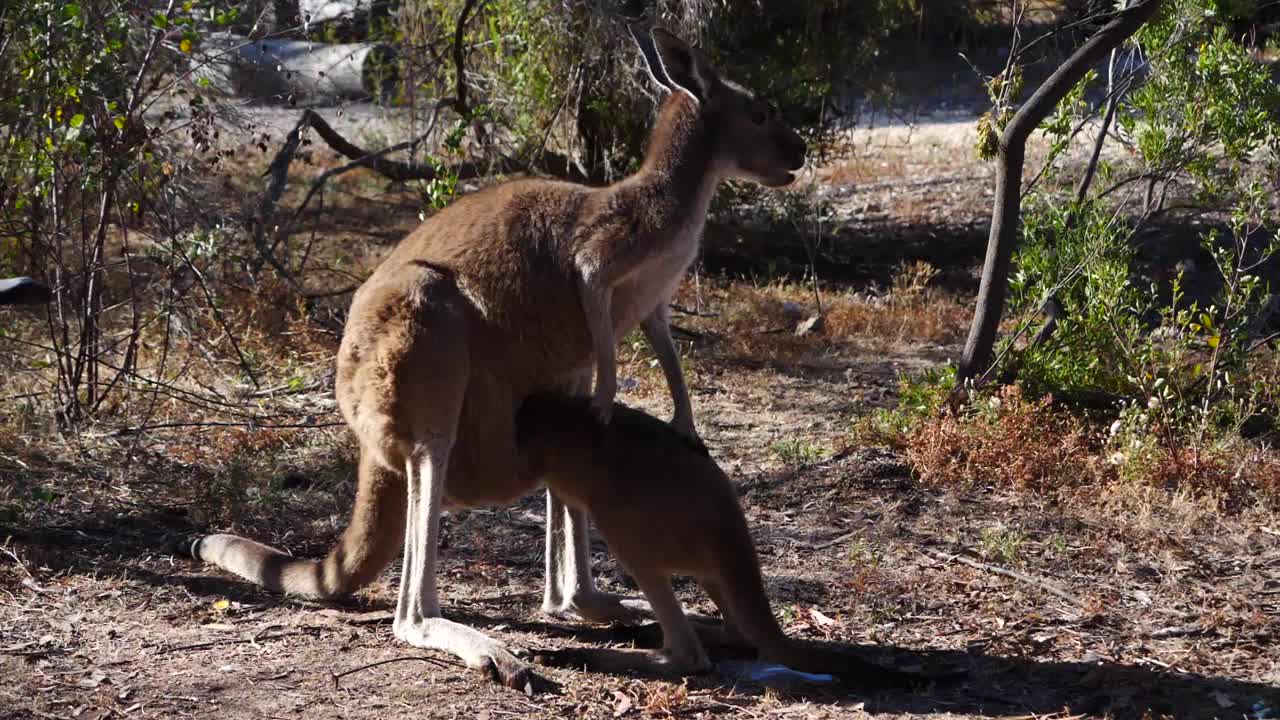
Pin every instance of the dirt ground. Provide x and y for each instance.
(1163, 613)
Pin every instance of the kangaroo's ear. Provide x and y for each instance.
(674, 64)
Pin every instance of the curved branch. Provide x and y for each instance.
(1006, 209)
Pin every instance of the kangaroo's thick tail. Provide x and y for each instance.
(749, 610)
(366, 547)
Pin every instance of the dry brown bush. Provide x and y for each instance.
(1234, 473)
(1014, 442)
(756, 323)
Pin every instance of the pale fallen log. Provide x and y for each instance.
(296, 70)
(320, 11)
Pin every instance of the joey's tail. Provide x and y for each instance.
(366, 547)
(743, 591)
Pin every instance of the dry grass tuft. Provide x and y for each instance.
(910, 313)
(759, 321)
(1013, 442)
(1009, 441)
(665, 699)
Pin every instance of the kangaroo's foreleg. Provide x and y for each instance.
(418, 620)
(597, 298)
(657, 330)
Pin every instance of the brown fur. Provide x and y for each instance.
(509, 291)
(665, 507)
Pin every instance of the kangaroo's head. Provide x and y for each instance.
(749, 140)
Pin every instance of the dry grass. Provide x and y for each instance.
(1014, 443)
(910, 313)
(758, 321)
(863, 168)
(1011, 442)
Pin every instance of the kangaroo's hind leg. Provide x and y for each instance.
(402, 381)
(418, 620)
(570, 591)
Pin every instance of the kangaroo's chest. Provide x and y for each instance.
(654, 282)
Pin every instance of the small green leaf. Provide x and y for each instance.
(119, 123)
(77, 120)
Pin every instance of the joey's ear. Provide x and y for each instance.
(676, 65)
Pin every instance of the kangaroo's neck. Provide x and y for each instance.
(679, 161)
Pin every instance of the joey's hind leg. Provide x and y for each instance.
(730, 633)
(570, 592)
(682, 652)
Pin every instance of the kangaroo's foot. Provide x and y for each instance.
(657, 663)
(477, 650)
(597, 606)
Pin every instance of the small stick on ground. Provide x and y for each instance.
(231, 641)
(1006, 572)
(827, 543)
(1176, 631)
(435, 661)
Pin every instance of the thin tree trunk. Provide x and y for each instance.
(1006, 209)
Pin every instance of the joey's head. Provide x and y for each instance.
(748, 139)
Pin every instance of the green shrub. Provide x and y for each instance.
(1202, 120)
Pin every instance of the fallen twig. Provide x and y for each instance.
(1176, 631)
(231, 641)
(365, 618)
(827, 543)
(693, 312)
(218, 423)
(23, 651)
(686, 331)
(1006, 572)
(435, 661)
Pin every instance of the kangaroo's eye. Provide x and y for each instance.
(758, 117)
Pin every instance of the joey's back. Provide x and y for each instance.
(652, 494)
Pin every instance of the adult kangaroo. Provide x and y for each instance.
(509, 291)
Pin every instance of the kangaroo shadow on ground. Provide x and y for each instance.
(991, 686)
